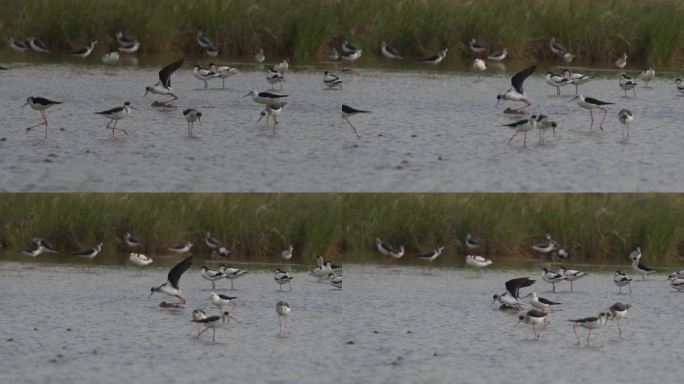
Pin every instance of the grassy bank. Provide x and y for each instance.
(596, 228)
(598, 31)
(254, 227)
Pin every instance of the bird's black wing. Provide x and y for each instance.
(85, 253)
(110, 111)
(431, 58)
(178, 270)
(644, 267)
(208, 320)
(513, 286)
(536, 313)
(271, 95)
(165, 73)
(591, 100)
(391, 50)
(547, 301)
(348, 109)
(517, 123)
(519, 78)
(44, 101)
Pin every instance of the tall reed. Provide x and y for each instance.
(598, 31)
(592, 227)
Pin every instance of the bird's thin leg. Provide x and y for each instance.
(605, 112)
(38, 125)
(280, 325)
(355, 132)
(206, 85)
(557, 91)
(213, 336)
(46, 122)
(591, 114)
(570, 286)
(588, 336)
(231, 284)
(619, 328)
(630, 287)
(511, 139)
(527, 104)
(204, 330)
(554, 286)
(576, 91)
(620, 289)
(119, 129)
(574, 329)
(290, 284)
(224, 82)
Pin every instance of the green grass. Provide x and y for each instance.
(598, 31)
(256, 227)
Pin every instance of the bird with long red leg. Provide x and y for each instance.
(516, 92)
(40, 104)
(171, 286)
(116, 114)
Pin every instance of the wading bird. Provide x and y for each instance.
(171, 287)
(40, 104)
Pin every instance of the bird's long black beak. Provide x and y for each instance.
(132, 107)
(146, 92)
(574, 98)
(246, 95)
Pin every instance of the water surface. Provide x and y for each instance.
(64, 325)
(410, 327)
(389, 325)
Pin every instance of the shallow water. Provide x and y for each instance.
(119, 335)
(389, 325)
(410, 327)
(427, 132)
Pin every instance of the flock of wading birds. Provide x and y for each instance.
(325, 270)
(538, 316)
(273, 103)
